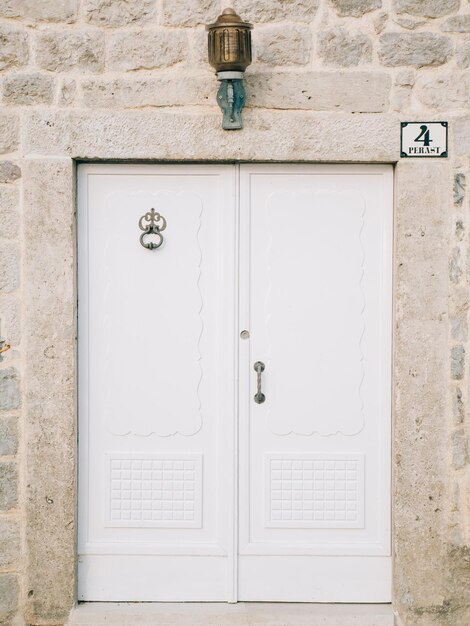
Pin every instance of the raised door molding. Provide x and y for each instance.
(151, 349)
(318, 371)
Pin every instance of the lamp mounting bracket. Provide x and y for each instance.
(231, 99)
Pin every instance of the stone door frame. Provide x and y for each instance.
(57, 141)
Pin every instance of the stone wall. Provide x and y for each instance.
(331, 80)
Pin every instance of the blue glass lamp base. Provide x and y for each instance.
(231, 99)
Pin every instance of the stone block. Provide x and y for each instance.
(356, 92)
(417, 49)
(27, 89)
(426, 8)
(9, 267)
(289, 44)
(11, 319)
(462, 136)
(457, 24)
(9, 542)
(444, 92)
(198, 46)
(137, 50)
(9, 216)
(458, 407)
(168, 91)
(8, 436)
(459, 449)
(275, 10)
(458, 314)
(67, 92)
(228, 614)
(460, 185)
(355, 8)
(421, 373)
(178, 13)
(55, 227)
(408, 23)
(8, 487)
(268, 135)
(420, 394)
(421, 231)
(405, 78)
(9, 591)
(338, 47)
(9, 389)
(50, 414)
(432, 280)
(463, 54)
(115, 13)
(457, 362)
(9, 172)
(9, 132)
(400, 98)
(13, 47)
(379, 21)
(459, 225)
(455, 267)
(66, 51)
(41, 10)
(9, 8)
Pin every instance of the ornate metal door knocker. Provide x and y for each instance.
(152, 223)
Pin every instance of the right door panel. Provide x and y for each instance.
(316, 285)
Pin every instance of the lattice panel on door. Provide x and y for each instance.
(315, 491)
(155, 491)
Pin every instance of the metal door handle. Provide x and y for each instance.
(259, 396)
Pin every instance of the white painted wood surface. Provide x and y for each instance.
(159, 335)
(157, 383)
(316, 250)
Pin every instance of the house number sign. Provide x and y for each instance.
(423, 139)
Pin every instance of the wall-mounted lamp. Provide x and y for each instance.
(3, 348)
(229, 42)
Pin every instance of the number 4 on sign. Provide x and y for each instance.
(424, 139)
(424, 131)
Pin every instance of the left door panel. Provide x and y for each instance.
(156, 383)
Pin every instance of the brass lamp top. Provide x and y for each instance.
(229, 17)
(229, 42)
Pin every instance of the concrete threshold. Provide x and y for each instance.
(220, 614)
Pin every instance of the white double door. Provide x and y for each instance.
(190, 489)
